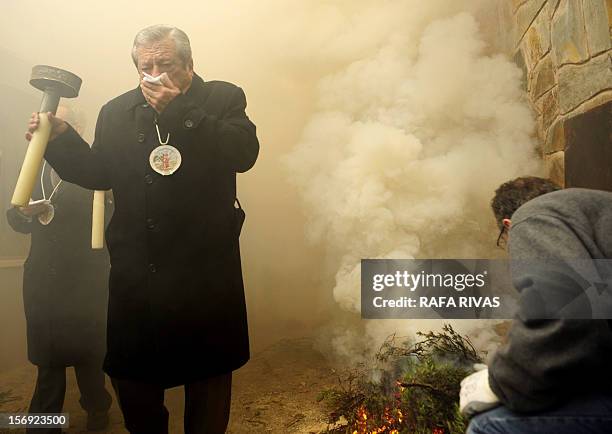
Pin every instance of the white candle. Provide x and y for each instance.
(32, 162)
(97, 221)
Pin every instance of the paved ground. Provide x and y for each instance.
(274, 393)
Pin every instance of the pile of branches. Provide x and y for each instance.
(408, 388)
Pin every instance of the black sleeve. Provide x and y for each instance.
(19, 222)
(547, 362)
(234, 132)
(76, 162)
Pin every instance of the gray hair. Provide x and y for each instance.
(159, 32)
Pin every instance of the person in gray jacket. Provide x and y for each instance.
(552, 375)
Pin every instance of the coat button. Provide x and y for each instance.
(148, 179)
(152, 268)
(188, 123)
(150, 224)
(141, 137)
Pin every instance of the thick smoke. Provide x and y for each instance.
(404, 151)
(404, 129)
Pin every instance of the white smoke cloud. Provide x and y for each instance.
(404, 151)
(409, 127)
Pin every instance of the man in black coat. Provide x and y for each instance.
(65, 296)
(170, 150)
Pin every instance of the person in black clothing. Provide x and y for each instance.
(65, 295)
(170, 149)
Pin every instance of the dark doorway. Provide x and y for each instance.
(588, 151)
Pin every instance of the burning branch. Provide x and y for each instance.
(417, 389)
(426, 386)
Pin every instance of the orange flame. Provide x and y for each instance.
(390, 419)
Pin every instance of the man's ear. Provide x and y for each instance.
(507, 223)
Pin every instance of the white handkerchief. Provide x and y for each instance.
(151, 79)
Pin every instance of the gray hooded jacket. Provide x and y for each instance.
(547, 362)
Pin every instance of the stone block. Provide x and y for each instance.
(519, 60)
(542, 77)
(548, 107)
(536, 42)
(554, 166)
(525, 15)
(516, 4)
(578, 83)
(598, 28)
(568, 36)
(551, 7)
(555, 137)
(597, 100)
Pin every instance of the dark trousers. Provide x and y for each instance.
(51, 388)
(207, 406)
(590, 414)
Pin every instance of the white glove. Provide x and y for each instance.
(476, 395)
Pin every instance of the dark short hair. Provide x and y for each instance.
(511, 195)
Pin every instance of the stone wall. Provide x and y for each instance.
(564, 48)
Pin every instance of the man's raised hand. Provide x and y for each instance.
(159, 95)
(58, 126)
